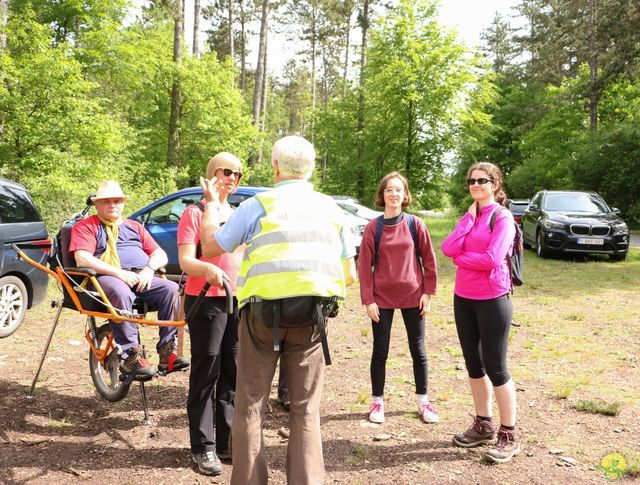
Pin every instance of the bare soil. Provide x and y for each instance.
(68, 434)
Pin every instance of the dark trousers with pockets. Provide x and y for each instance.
(212, 382)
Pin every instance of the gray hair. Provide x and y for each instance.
(295, 157)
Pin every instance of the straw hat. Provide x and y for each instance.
(109, 189)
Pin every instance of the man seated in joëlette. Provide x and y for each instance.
(126, 258)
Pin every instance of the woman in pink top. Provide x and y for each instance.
(397, 282)
(213, 333)
(482, 308)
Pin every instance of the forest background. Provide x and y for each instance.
(90, 91)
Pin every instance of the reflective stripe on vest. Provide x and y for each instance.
(297, 250)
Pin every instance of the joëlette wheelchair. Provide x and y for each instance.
(82, 292)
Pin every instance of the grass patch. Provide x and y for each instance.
(363, 397)
(597, 406)
(358, 453)
(364, 331)
(58, 423)
(453, 351)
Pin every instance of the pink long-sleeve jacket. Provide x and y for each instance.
(481, 254)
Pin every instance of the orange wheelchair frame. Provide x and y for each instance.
(104, 361)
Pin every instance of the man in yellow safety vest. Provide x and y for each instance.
(299, 253)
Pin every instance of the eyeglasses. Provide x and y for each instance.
(392, 190)
(227, 173)
(481, 181)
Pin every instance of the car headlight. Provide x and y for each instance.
(549, 224)
(620, 228)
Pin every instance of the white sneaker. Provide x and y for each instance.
(376, 413)
(428, 413)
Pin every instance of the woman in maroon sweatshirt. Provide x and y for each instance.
(395, 279)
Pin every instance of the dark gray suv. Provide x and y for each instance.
(22, 286)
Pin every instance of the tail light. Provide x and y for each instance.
(518, 219)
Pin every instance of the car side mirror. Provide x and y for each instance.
(532, 207)
(615, 210)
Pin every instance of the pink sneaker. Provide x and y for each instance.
(376, 412)
(428, 413)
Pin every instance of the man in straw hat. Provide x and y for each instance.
(126, 257)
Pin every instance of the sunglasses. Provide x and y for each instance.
(227, 173)
(481, 181)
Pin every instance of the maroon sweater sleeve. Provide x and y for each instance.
(430, 277)
(365, 260)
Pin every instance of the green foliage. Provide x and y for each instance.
(598, 406)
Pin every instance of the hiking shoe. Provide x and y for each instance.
(283, 400)
(208, 463)
(506, 447)
(428, 413)
(376, 412)
(481, 432)
(137, 365)
(169, 360)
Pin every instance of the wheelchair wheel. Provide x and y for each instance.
(106, 377)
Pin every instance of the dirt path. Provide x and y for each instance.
(69, 435)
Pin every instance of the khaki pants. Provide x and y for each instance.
(304, 366)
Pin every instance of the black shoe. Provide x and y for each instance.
(169, 360)
(283, 400)
(224, 455)
(137, 365)
(208, 463)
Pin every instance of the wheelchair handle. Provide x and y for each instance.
(229, 294)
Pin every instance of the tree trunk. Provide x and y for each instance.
(364, 25)
(243, 51)
(346, 54)
(263, 101)
(195, 49)
(409, 159)
(257, 92)
(593, 68)
(173, 148)
(4, 16)
(314, 43)
(231, 46)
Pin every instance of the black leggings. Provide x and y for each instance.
(483, 329)
(414, 325)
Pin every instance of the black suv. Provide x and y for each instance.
(21, 285)
(574, 222)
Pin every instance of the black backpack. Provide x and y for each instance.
(516, 258)
(378, 236)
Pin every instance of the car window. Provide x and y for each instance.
(16, 206)
(171, 211)
(518, 208)
(537, 199)
(235, 199)
(576, 202)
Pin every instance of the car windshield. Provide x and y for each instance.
(518, 208)
(576, 202)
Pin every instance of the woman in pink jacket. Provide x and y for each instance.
(482, 308)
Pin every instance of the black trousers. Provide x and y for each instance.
(414, 324)
(212, 382)
(483, 330)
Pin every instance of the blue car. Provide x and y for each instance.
(161, 218)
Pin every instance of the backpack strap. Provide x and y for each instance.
(378, 236)
(414, 235)
(323, 331)
(492, 223)
(200, 206)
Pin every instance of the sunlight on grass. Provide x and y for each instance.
(597, 406)
(363, 397)
(58, 423)
(454, 351)
(364, 331)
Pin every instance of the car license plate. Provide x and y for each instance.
(591, 240)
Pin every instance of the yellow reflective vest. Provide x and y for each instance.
(297, 251)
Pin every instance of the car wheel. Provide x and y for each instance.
(13, 304)
(541, 251)
(617, 257)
